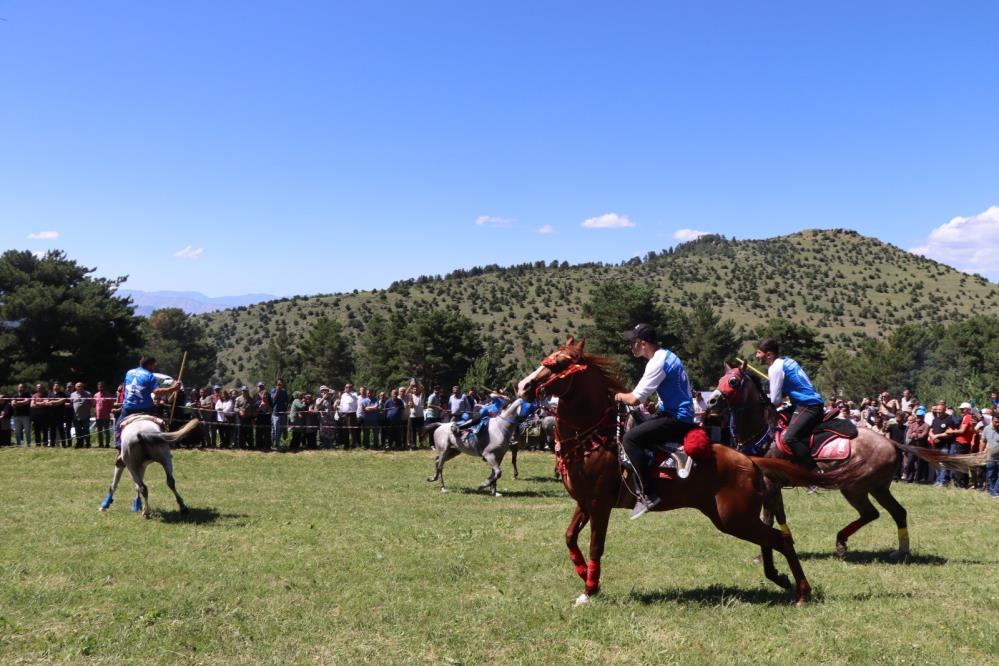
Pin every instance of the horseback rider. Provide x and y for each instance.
(788, 378)
(666, 376)
(492, 407)
(141, 390)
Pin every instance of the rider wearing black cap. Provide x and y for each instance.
(665, 375)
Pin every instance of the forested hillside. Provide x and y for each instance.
(848, 287)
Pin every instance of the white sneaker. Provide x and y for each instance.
(642, 507)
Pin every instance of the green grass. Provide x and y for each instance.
(352, 557)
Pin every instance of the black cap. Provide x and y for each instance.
(641, 332)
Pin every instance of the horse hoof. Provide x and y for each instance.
(582, 600)
(758, 559)
(784, 581)
(497, 494)
(443, 490)
(145, 514)
(184, 510)
(898, 556)
(802, 601)
(841, 548)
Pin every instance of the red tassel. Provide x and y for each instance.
(697, 444)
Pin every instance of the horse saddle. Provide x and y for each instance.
(830, 441)
(135, 418)
(669, 460)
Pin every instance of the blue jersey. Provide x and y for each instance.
(139, 387)
(666, 375)
(494, 407)
(787, 378)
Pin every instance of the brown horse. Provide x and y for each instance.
(753, 418)
(726, 486)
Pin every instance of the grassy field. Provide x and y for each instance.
(352, 558)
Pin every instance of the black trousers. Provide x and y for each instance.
(656, 430)
(799, 430)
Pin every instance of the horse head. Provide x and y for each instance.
(555, 371)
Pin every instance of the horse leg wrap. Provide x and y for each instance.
(593, 578)
(849, 531)
(576, 555)
(903, 539)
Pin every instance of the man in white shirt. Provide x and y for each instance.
(348, 415)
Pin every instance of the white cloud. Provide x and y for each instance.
(43, 235)
(970, 244)
(545, 230)
(608, 221)
(684, 235)
(39, 254)
(493, 221)
(189, 253)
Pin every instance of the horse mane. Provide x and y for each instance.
(757, 381)
(607, 369)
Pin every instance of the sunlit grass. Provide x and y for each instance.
(352, 557)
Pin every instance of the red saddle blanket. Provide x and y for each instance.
(825, 444)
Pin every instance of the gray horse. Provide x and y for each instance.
(143, 441)
(491, 443)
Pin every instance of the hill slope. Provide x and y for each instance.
(845, 285)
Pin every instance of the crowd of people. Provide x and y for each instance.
(261, 419)
(69, 415)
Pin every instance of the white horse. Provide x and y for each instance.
(491, 443)
(144, 441)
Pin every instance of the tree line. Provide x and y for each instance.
(61, 322)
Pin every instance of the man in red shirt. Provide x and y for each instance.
(963, 435)
(103, 404)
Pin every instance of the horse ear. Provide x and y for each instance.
(728, 367)
(582, 344)
(745, 364)
(568, 343)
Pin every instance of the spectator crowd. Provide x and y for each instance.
(276, 419)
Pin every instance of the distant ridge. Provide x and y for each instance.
(847, 286)
(191, 302)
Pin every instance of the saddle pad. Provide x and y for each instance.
(837, 448)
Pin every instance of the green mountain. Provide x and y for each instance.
(847, 286)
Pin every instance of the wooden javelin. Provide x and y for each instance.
(180, 374)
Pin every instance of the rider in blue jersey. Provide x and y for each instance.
(492, 407)
(666, 376)
(141, 390)
(788, 379)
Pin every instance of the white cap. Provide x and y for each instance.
(964, 405)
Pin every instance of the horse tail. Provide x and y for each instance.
(961, 463)
(169, 437)
(429, 428)
(792, 474)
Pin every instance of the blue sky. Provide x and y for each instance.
(303, 147)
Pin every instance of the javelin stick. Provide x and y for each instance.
(180, 375)
(750, 366)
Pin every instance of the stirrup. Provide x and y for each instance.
(684, 464)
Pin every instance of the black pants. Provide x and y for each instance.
(656, 430)
(82, 428)
(799, 430)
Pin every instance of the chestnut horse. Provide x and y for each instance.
(752, 421)
(726, 486)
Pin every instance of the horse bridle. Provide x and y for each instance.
(764, 435)
(575, 367)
